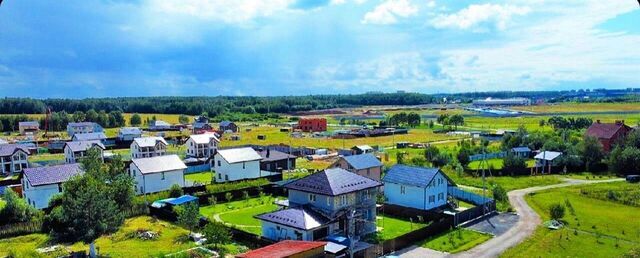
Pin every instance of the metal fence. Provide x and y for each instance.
(198, 168)
(469, 197)
(494, 155)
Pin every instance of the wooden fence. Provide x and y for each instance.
(18, 229)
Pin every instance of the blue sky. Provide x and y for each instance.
(77, 49)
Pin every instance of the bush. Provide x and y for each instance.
(500, 194)
(175, 191)
(16, 209)
(556, 211)
(218, 188)
(513, 163)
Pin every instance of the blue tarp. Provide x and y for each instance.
(182, 200)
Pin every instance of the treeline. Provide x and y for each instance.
(59, 120)
(214, 106)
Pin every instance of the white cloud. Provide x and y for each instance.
(474, 15)
(389, 11)
(236, 11)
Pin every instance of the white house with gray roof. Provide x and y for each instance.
(157, 174)
(146, 147)
(40, 184)
(74, 151)
(237, 164)
(83, 127)
(13, 158)
(97, 136)
(202, 145)
(126, 134)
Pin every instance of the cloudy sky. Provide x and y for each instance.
(77, 49)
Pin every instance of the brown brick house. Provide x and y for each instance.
(608, 133)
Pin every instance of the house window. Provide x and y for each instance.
(219, 176)
(59, 188)
(312, 197)
(328, 201)
(402, 189)
(226, 177)
(368, 172)
(243, 165)
(163, 176)
(440, 196)
(219, 164)
(343, 200)
(432, 198)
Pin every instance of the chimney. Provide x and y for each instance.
(268, 152)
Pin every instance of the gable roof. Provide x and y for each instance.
(83, 145)
(159, 164)
(521, 149)
(414, 176)
(149, 141)
(51, 174)
(298, 217)
(362, 147)
(332, 182)
(203, 138)
(283, 249)
(10, 149)
(29, 123)
(239, 155)
(226, 123)
(130, 130)
(548, 155)
(89, 136)
(363, 161)
(274, 155)
(605, 130)
(159, 123)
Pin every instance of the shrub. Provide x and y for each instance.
(500, 194)
(175, 191)
(556, 211)
(16, 209)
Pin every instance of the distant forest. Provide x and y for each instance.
(216, 106)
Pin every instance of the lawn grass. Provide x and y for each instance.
(494, 163)
(169, 118)
(456, 240)
(390, 227)
(240, 213)
(596, 228)
(200, 177)
(303, 163)
(588, 176)
(507, 182)
(581, 107)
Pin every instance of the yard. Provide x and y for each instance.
(390, 227)
(508, 182)
(240, 214)
(597, 227)
(493, 164)
(200, 177)
(456, 240)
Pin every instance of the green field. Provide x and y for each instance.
(494, 163)
(454, 241)
(508, 182)
(240, 214)
(201, 177)
(596, 228)
(390, 227)
(581, 107)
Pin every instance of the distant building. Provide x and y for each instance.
(146, 147)
(546, 160)
(608, 133)
(228, 126)
(74, 151)
(312, 124)
(157, 174)
(202, 145)
(237, 164)
(416, 187)
(522, 151)
(362, 149)
(126, 134)
(366, 165)
(100, 136)
(41, 183)
(159, 125)
(201, 123)
(502, 102)
(13, 158)
(276, 161)
(29, 127)
(83, 127)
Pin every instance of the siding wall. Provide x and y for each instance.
(414, 197)
(151, 183)
(236, 171)
(38, 196)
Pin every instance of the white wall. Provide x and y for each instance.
(71, 157)
(417, 197)
(236, 171)
(154, 182)
(279, 232)
(158, 150)
(38, 196)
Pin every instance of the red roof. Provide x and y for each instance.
(605, 130)
(283, 249)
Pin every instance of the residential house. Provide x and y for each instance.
(74, 151)
(28, 127)
(237, 164)
(288, 249)
(146, 147)
(127, 134)
(228, 126)
(312, 124)
(416, 187)
(328, 203)
(202, 145)
(41, 183)
(608, 133)
(522, 151)
(157, 174)
(276, 161)
(362, 149)
(159, 125)
(83, 127)
(546, 159)
(366, 165)
(90, 137)
(13, 158)
(201, 123)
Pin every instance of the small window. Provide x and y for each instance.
(432, 198)
(243, 165)
(219, 164)
(59, 188)
(402, 189)
(226, 177)
(312, 197)
(219, 176)
(163, 176)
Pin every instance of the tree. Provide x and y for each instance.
(624, 160)
(400, 157)
(463, 156)
(512, 163)
(183, 119)
(556, 211)
(188, 215)
(175, 191)
(217, 234)
(443, 119)
(500, 194)
(228, 196)
(135, 120)
(430, 124)
(456, 120)
(16, 209)
(431, 152)
(591, 151)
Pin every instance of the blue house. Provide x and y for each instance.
(416, 187)
(83, 127)
(328, 203)
(522, 151)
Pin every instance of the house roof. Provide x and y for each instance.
(52, 174)
(149, 141)
(605, 130)
(299, 217)
(283, 249)
(89, 136)
(159, 123)
(80, 124)
(363, 161)
(181, 200)
(203, 138)
(3, 141)
(10, 149)
(548, 155)
(83, 145)
(363, 147)
(332, 182)
(226, 123)
(29, 123)
(274, 155)
(409, 175)
(521, 149)
(130, 130)
(159, 164)
(239, 155)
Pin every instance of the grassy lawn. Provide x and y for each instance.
(201, 177)
(457, 240)
(240, 213)
(494, 163)
(390, 227)
(588, 176)
(580, 107)
(508, 182)
(169, 118)
(596, 227)
(46, 156)
(313, 164)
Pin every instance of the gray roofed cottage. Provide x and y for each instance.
(159, 164)
(363, 161)
(10, 149)
(237, 155)
(299, 217)
(414, 176)
(52, 174)
(332, 182)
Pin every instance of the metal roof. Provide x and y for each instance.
(130, 130)
(521, 149)
(548, 155)
(239, 155)
(363, 147)
(149, 141)
(225, 123)
(182, 200)
(203, 138)
(409, 175)
(52, 174)
(89, 136)
(10, 149)
(275, 155)
(159, 164)
(299, 217)
(29, 123)
(80, 124)
(76, 146)
(363, 161)
(332, 182)
(283, 249)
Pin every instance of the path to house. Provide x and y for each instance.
(525, 226)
